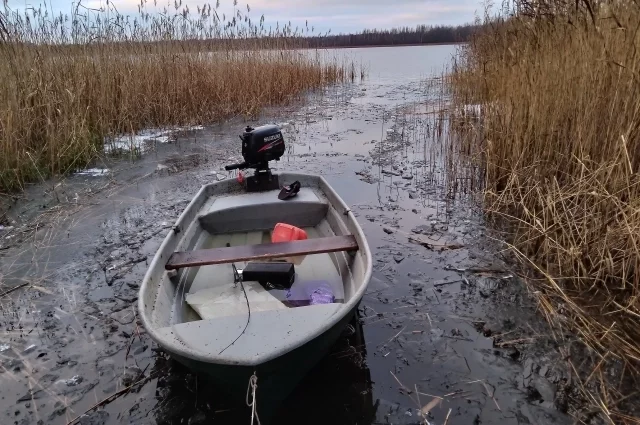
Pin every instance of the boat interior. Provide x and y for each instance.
(204, 307)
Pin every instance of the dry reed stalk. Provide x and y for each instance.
(67, 81)
(557, 135)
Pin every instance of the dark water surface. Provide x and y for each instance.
(446, 325)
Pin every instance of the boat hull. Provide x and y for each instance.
(277, 378)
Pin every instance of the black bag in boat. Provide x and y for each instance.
(275, 274)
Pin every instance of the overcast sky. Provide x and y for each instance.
(356, 15)
(341, 16)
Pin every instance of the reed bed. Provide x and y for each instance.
(69, 81)
(557, 133)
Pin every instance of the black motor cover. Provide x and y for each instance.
(262, 144)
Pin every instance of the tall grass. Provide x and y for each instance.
(67, 81)
(558, 86)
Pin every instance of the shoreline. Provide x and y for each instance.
(386, 45)
(290, 48)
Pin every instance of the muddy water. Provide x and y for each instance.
(444, 325)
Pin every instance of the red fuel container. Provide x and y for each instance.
(285, 232)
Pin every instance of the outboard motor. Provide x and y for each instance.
(259, 146)
(262, 144)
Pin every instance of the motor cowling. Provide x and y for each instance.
(262, 144)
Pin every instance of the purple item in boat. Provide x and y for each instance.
(322, 295)
(311, 292)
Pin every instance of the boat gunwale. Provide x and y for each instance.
(201, 197)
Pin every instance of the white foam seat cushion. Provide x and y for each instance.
(228, 300)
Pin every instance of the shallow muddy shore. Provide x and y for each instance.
(446, 322)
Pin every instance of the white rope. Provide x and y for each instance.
(252, 388)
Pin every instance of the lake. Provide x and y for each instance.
(402, 63)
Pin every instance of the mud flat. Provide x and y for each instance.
(447, 332)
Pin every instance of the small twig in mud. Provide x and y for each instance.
(434, 293)
(446, 420)
(133, 336)
(407, 390)
(462, 394)
(141, 374)
(431, 395)
(424, 411)
(474, 270)
(393, 337)
(41, 289)
(400, 383)
(35, 405)
(15, 288)
(472, 382)
(112, 397)
(490, 394)
(121, 273)
(406, 306)
(446, 282)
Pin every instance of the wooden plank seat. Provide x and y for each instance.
(266, 251)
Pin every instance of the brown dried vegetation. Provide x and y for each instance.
(67, 81)
(557, 87)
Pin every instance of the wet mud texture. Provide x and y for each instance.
(446, 332)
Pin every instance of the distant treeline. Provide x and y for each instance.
(287, 38)
(422, 34)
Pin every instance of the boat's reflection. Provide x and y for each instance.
(337, 391)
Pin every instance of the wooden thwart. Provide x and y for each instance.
(204, 257)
